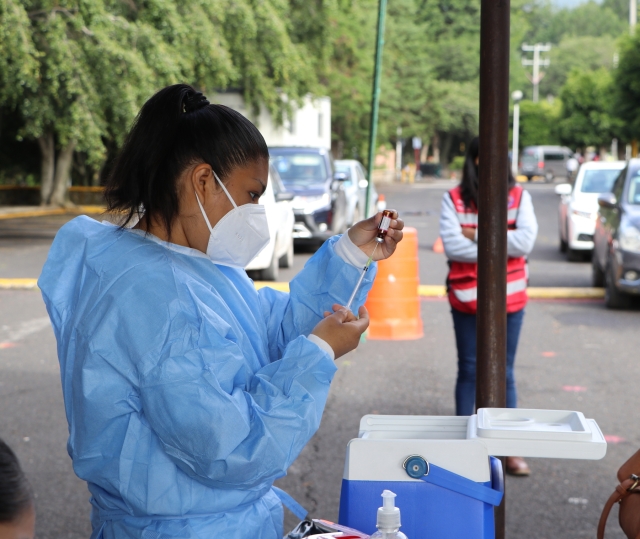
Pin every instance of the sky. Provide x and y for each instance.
(568, 3)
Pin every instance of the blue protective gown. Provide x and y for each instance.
(187, 392)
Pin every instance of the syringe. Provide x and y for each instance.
(383, 228)
(364, 272)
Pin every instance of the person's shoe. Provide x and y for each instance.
(517, 466)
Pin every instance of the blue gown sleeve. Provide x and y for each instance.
(325, 279)
(224, 425)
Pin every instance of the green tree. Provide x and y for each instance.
(77, 72)
(626, 87)
(350, 75)
(550, 25)
(585, 117)
(586, 53)
(538, 123)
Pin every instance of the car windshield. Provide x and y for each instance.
(529, 155)
(634, 187)
(342, 167)
(300, 168)
(599, 180)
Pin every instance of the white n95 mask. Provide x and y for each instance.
(239, 236)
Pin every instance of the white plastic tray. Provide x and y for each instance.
(525, 424)
(575, 438)
(594, 448)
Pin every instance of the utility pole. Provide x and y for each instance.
(516, 96)
(536, 63)
(491, 318)
(375, 101)
(633, 15)
(398, 153)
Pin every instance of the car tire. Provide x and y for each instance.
(563, 245)
(613, 298)
(286, 260)
(597, 275)
(270, 273)
(574, 255)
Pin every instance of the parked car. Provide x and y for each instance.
(355, 187)
(320, 201)
(279, 252)
(578, 207)
(547, 161)
(616, 253)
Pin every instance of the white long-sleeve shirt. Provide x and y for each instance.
(461, 249)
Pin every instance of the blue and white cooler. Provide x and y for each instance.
(443, 469)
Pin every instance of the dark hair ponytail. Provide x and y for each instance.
(176, 128)
(15, 493)
(469, 183)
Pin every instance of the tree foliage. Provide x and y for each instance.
(78, 71)
(538, 122)
(73, 73)
(585, 118)
(626, 87)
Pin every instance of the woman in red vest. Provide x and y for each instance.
(459, 233)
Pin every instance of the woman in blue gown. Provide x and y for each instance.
(188, 392)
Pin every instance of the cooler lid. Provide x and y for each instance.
(537, 433)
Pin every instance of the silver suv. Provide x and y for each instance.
(547, 161)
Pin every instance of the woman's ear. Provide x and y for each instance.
(202, 181)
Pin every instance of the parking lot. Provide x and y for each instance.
(573, 354)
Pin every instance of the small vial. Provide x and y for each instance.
(383, 227)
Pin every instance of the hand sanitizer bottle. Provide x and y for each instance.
(388, 519)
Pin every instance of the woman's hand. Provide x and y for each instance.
(469, 233)
(363, 235)
(342, 330)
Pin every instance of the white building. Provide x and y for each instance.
(309, 126)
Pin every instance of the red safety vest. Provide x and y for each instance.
(462, 281)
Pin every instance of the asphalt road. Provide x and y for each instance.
(573, 355)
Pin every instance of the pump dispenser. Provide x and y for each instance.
(388, 519)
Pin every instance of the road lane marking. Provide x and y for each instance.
(18, 284)
(424, 290)
(574, 389)
(613, 439)
(24, 330)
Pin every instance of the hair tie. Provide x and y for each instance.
(194, 102)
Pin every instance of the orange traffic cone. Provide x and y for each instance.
(393, 303)
(438, 247)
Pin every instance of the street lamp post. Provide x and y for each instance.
(375, 102)
(516, 96)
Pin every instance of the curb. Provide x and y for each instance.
(424, 290)
(44, 212)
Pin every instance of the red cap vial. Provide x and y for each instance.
(383, 227)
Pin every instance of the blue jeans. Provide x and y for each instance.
(465, 328)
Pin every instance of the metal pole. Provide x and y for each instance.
(375, 100)
(536, 72)
(398, 153)
(491, 318)
(633, 16)
(516, 139)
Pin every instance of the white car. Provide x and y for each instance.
(279, 252)
(355, 187)
(578, 208)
